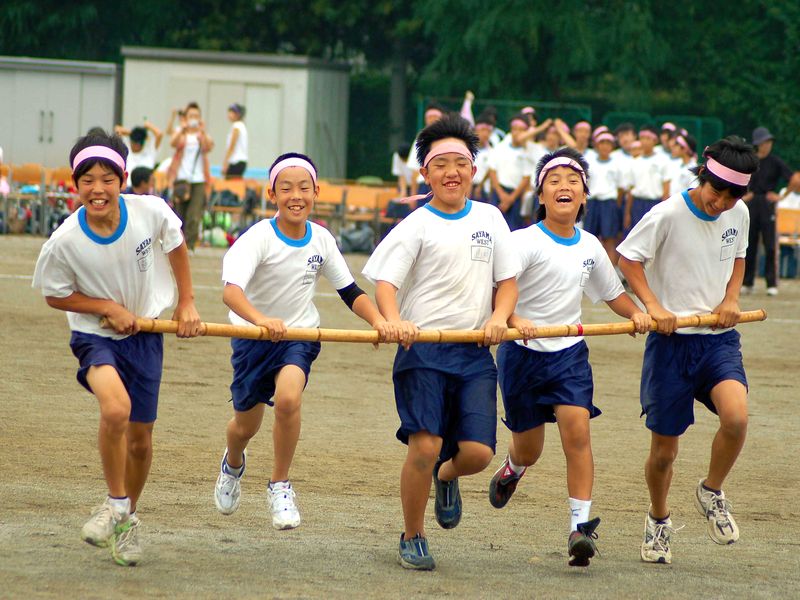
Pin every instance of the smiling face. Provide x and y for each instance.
(98, 191)
(294, 193)
(563, 195)
(711, 201)
(450, 177)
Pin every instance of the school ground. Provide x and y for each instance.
(346, 476)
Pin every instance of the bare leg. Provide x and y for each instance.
(140, 457)
(115, 410)
(730, 399)
(415, 480)
(471, 458)
(573, 425)
(658, 471)
(241, 428)
(289, 384)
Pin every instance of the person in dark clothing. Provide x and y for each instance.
(761, 199)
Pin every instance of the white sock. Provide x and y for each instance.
(121, 507)
(579, 512)
(235, 471)
(516, 468)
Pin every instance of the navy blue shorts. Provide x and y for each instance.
(531, 382)
(256, 363)
(640, 207)
(679, 368)
(138, 359)
(603, 218)
(448, 390)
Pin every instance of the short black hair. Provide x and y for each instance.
(651, 128)
(95, 130)
(449, 126)
(519, 117)
(484, 119)
(734, 153)
(403, 149)
(436, 106)
(623, 127)
(569, 153)
(191, 104)
(140, 175)
(99, 138)
(291, 155)
(138, 135)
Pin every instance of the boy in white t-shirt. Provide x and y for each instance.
(510, 168)
(685, 257)
(270, 275)
(550, 380)
(111, 259)
(649, 179)
(436, 270)
(145, 141)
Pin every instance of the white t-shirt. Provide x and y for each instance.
(400, 168)
(682, 177)
(191, 167)
(239, 153)
(279, 274)
(445, 265)
(556, 272)
(482, 168)
(688, 256)
(146, 157)
(129, 267)
(648, 174)
(792, 200)
(625, 161)
(412, 163)
(606, 177)
(511, 163)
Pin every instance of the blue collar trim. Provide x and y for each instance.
(696, 211)
(451, 216)
(570, 241)
(99, 239)
(290, 241)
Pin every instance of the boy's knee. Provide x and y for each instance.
(734, 425)
(114, 418)
(662, 457)
(245, 431)
(481, 456)
(140, 448)
(424, 453)
(287, 405)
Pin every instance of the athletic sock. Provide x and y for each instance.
(120, 506)
(705, 487)
(516, 468)
(579, 512)
(235, 471)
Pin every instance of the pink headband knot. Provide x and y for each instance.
(98, 152)
(447, 148)
(561, 161)
(727, 174)
(294, 161)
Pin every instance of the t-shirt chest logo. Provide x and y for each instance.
(586, 270)
(313, 265)
(728, 244)
(144, 254)
(481, 246)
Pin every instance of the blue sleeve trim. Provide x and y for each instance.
(451, 216)
(99, 239)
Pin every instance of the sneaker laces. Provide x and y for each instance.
(228, 483)
(103, 515)
(128, 535)
(662, 534)
(719, 509)
(282, 498)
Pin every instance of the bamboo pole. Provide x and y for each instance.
(431, 335)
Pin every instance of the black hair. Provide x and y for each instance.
(519, 117)
(651, 128)
(291, 155)
(403, 149)
(623, 127)
(96, 130)
(100, 138)
(569, 153)
(191, 104)
(449, 126)
(690, 139)
(484, 119)
(238, 109)
(436, 106)
(140, 175)
(734, 153)
(138, 135)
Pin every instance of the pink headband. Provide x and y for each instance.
(294, 161)
(520, 121)
(582, 125)
(528, 110)
(669, 126)
(683, 143)
(434, 110)
(599, 130)
(482, 126)
(648, 133)
(636, 144)
(561, 161)
(98, 152)
(447, 148)
(604, 136)
(729, 175)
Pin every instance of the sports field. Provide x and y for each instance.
(346, 474)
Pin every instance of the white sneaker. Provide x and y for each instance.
(227, 491)
(655, 547)
(126, 549)
(746, 290)
(280, 497)
(717, 510)
(772, 291)
(99, 529)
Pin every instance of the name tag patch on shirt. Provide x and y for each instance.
(144, 255)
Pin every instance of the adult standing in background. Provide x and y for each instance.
(235, 161)
(192, 172)
(761, 199)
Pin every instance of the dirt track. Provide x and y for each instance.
(346, 475)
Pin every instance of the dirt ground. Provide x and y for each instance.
(347, 470)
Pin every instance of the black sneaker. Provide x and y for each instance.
(503, 484)
(448, 500)
(581, 543)
(414, 554)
